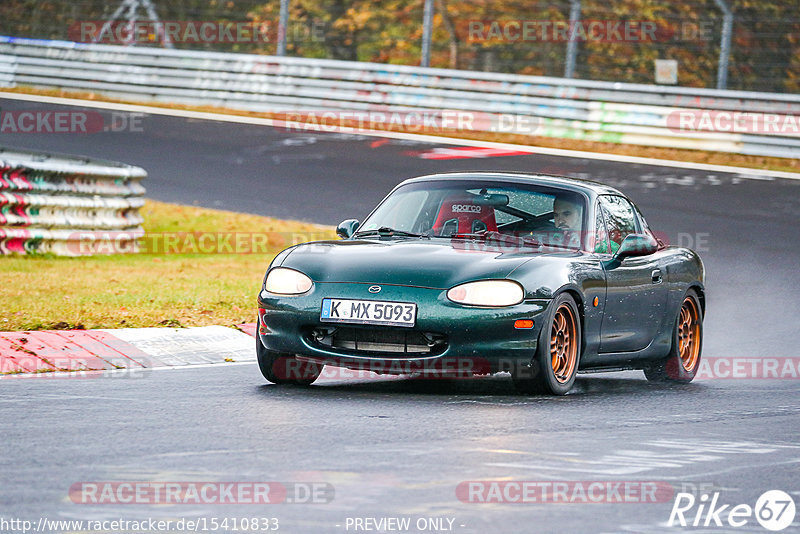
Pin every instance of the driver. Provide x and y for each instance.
(567, 214)
(567, 218)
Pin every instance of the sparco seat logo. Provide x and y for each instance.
(466, 208)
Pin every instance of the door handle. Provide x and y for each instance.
(656, 276)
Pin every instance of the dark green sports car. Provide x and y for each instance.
(477, 273)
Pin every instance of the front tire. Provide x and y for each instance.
(683, 361)
(555, 364)
(280, 368)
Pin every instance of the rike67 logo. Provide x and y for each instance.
(774, 510)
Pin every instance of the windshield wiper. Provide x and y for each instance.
(498, 238)
(385, 231)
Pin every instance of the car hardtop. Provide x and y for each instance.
(587, 187)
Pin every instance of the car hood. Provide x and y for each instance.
(436, 263)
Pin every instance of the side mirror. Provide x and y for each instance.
(636, 245)
(347, 228)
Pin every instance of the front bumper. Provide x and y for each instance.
(463, 337)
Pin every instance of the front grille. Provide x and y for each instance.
(385, 341)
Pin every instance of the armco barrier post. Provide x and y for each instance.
(725, 44)
(283, 24)
(572, 43)
(427, 33)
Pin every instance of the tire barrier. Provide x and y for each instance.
(743, 122)
(68, 206)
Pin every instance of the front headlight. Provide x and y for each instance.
(487, 293)
(283, 281)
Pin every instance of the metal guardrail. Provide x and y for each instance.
(558, 107)
(68, 206)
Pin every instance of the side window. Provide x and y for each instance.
(601, 236)
(620, 218)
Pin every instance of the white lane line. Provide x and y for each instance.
(199, 366)
(139, 372)
(745, 172)
(700, 474)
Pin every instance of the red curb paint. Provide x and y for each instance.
(12, 359)
(73, 350)
(248, 328)
(86, 340)
(60, 352)
(123, 347)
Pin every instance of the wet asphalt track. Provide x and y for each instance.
(399, 447)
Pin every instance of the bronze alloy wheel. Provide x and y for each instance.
(554, 366)
(564, 343)
(683, 360)
(689, 334)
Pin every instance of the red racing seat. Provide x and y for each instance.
(460, 215)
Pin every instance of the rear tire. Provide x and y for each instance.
(683, 361)
(281, 368)
(555, 364)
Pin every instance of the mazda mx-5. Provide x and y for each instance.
(477, 273)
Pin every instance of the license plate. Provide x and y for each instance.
(368, 312)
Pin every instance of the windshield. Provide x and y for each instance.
(470, 208)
